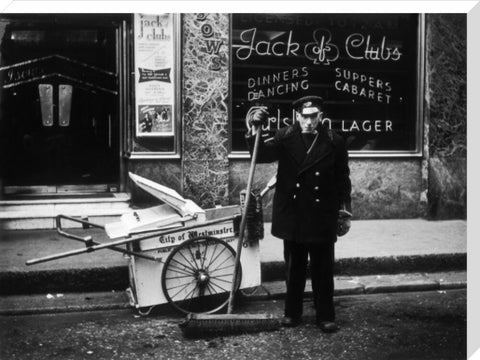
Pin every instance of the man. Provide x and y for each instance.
(311, 204)
(146, 124)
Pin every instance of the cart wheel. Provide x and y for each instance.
(197, 275)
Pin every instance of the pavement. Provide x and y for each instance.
(376, 256)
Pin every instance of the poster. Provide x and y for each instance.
(154, 75)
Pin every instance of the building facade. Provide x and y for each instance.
(85, 99)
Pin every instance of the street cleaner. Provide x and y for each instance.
(311, 204)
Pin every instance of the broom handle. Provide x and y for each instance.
(243, 222)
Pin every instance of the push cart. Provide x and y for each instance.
(178, 252)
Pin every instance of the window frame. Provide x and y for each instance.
(418, 152)
(177, 108)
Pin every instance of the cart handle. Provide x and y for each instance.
(89, 243)
(87, 240)
(85, 224)
(113, 245)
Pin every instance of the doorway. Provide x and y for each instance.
(60, 108)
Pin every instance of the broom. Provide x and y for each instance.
(204, 325)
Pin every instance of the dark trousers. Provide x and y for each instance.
(322, 256)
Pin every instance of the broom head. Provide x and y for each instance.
(208, 325)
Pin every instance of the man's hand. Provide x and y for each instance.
(256, 117)
(343, 226)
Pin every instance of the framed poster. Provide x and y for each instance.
(154, 75)
(367, 67)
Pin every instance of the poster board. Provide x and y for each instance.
(155, 49)
(367, 67)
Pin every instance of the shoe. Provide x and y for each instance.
(288, 321)
(328, 326)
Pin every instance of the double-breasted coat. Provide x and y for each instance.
(311, 187)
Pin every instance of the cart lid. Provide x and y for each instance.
(163, 193)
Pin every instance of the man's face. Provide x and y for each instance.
(308, 122)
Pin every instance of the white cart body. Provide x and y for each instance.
(145, 275)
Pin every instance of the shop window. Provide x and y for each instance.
(367, 67)
(156, 125)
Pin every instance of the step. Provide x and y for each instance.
(66, 203)
(40, 214)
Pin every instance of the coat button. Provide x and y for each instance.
(317, 200)
(317, 188)
(317, 173)
(294, 197)
(298, 185)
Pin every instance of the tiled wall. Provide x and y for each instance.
(381, 188)
(446, 103)
(205, 110)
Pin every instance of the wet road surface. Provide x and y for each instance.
(420, 325)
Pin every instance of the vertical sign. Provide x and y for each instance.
(154, 75)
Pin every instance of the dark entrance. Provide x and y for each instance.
(60, 118)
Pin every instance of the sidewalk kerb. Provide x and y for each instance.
(268, 291)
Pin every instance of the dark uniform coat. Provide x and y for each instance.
(310, 188)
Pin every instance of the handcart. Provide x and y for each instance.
(178, 252)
